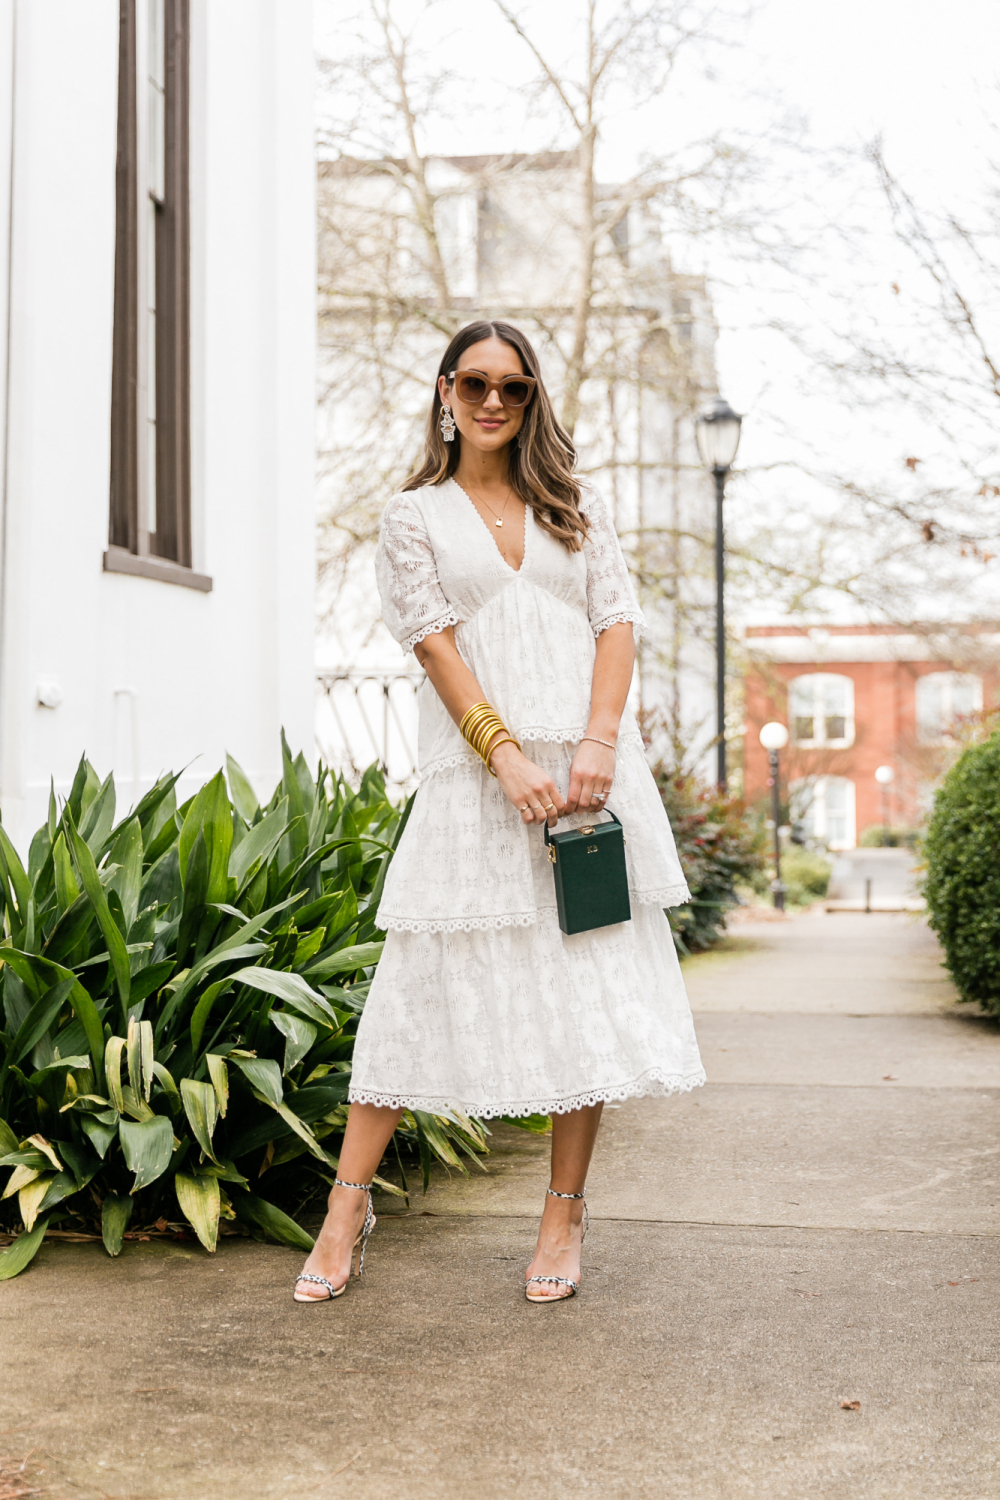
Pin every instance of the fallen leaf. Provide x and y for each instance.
(161, 1225)
(850, 1405)
(889, 1078)
(911, 464)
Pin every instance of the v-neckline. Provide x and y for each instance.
(489, 530)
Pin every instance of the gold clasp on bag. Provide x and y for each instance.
(587, 830)
(552, 853)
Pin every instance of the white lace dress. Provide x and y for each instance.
(479, 1001)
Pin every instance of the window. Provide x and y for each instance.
(150, 530)
(821, 709)
(942, 697)
(823, 807)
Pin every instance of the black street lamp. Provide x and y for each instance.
(774, 737)
(718, 434)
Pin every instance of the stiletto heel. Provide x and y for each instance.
(574, 1286)
(357, 1251)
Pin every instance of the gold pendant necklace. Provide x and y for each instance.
(499, 518)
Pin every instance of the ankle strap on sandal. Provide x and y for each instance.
(553, 1194)
(362, 1187)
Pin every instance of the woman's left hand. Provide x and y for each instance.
(590, 778)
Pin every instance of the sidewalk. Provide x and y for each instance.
(820, 1224)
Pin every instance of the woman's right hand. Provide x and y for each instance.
(526, 786)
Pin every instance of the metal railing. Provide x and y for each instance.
(369, 716)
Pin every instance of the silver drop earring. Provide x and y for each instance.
(447, 423)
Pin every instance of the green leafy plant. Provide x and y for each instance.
(962, 884)
(720, 848)
(180, 996)
(805, 874)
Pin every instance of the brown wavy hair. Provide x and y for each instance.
(541, 457)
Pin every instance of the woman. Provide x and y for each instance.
(505, 578)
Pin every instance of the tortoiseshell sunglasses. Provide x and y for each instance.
(472, 387)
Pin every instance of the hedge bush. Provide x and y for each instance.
(805, 874)
(962, 885)
(180, 994)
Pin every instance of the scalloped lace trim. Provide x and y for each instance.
(455, 924)
(626, 617)
(668, 895)
(654, 1082)
(671, 895)
(421, 635)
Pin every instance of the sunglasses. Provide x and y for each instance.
(514, 391)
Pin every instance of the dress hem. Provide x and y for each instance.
(654, 1082)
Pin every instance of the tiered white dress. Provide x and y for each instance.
(479, 1001)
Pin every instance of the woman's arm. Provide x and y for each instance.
(593, 766)
(524, 785)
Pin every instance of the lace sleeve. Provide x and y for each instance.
(413, 602)
(610, 596)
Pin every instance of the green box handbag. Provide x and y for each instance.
(591, 880)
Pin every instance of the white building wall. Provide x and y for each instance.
(154, 675)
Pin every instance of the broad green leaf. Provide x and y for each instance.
(202, 1011)
(96, 823)
(188, 978)
(126, 852)
(260, 1214)
(147, 1146)
(67, 890)
(219, 1074)
(113, 1071)
(64, 1185)
(202, 1110)
(210, 815)
(23, 1251)
(166, 1080)
(99, 1134)
(259, 844)
(62, 1062)
(291, 988)
(11, 864)
(40, 1018)
(84, 861)
(346, 961)
(265, 1075)
(46, 1148)
(29, 1199)
(135, 1105)
(299, 1036)
(115, 1214)
(19, 1178)
(146, 1054)
(200, 1201)
(8, 1140)
(140, 1057)
(243, 795)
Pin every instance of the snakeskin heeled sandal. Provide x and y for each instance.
(574, 1286)
(362, 1241)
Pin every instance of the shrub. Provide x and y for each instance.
(181, 992)
(720, 847)
(805, 875)
(962, 886)
(879, 837)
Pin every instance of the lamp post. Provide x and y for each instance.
(718, 433)
(885, 776)
(774, 737)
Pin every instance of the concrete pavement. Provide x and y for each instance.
(818, 1225)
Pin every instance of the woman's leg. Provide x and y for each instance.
(561, 1233)
(369, 1131)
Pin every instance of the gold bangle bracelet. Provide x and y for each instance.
(476, 710)
(508, 739)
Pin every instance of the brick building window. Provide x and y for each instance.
(823, 810)
(821, 709)
(943, 697)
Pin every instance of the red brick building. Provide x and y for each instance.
(857, 697)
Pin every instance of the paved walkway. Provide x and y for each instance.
(820, 1224)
